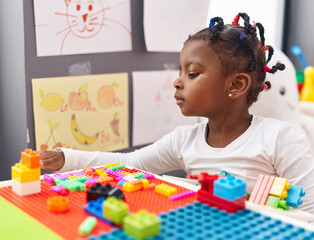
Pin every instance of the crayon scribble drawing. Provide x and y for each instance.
(82, 26)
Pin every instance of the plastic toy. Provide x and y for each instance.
(58, 204)
(181, 195)
(229, 188)
(206, 195)
(26, 175)
(166, 190)
(296, 50)
(141, 225)
(200, 221)
(276, 202)
(261, 189)
(87, 226)
(295, 194)
(99, 190)
(307, 92)
(280, 188)
(115, 209)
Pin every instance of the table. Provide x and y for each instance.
(295, 220)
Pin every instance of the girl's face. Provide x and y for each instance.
(201, 86)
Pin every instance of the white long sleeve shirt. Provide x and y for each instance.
(268, 146)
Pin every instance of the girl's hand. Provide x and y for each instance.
(51, 161)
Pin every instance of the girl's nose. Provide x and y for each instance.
(178, 83)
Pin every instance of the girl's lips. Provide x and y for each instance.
(179, 99)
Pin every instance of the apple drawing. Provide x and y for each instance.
(79, 100)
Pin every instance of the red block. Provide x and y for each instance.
(222, 204)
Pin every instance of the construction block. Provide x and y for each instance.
(115, 209)
(95, 208)
(47, 178)
(294, 196)
(166, 190)
(72, 185)
(107, 190)
(280, 188)
(87, 226)
(200, 221)
(26, 188)
(58, 204)
(141, 225)
(30, 158)
(23, 174)
(181, 195)
(261, 189)
(276, 202)
(60, 190)
(229, 188)
(130, 187)
(221, 203)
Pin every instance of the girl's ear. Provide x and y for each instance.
(239, 85)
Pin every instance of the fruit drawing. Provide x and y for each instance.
(79, 100)
(53, 127)
(50, 102)
(106, 95)
(79, 136)
(115, 124)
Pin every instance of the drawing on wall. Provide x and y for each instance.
(168, 24)
(155, 112)
(82, 26)
(82, 112)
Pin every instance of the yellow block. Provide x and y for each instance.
(280, 188)
(130, 187)
(23, 174)
(166, 190)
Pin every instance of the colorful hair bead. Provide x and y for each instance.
(211, 23)
(265, 47)
(242, 36)
(266, 69)
(236, 20)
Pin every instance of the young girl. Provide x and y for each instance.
(222, 71)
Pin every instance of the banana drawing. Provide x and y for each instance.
(79, 136)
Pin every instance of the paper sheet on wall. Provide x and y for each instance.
(82, 112)
(259, 11)
(155, 112)
(76, 27)
(168, 24)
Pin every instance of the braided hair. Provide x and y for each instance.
(240, 50)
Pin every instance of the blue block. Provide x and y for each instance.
(294, 196)
(200, 221)
(229, 188)
(95, 209)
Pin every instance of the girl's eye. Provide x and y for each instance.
(193, 75)
(78, 7)
(90, 7)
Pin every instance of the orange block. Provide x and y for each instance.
(30, 158)
(58, 204)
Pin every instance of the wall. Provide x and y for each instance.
(12, 86)
(299, 30)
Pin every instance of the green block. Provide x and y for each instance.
(81, 179)
(276, 202)
(57, 180)
(141, 225)
(73, 185)
(115, 209)
(139, 175)
(16, 224)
